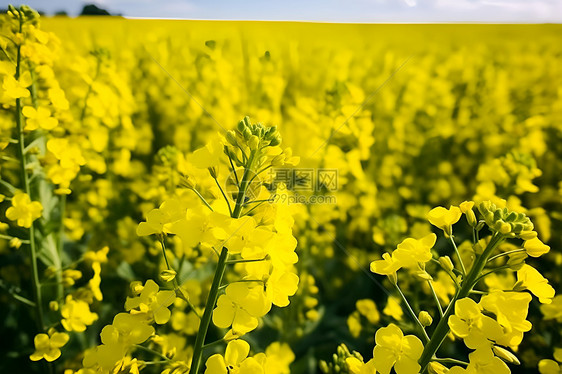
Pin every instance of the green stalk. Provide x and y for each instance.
(412, 313)
(207, 314)
(217, 279)
(23, 166)
(472, 277)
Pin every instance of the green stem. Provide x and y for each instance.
(243, 185)
(202, 199)
(213, 343)
(32, 247)
(207, 314)
(60, 246)
(224, 195)
(450, 361)
(468, 283)
(243, 260)
(506, 254)
(412, 313)
(146, 349)
(435, 298)
(458, 255)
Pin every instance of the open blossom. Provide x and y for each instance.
(444, 218)
(407, 254)
(235, 360)
(510, 308)
(240, 307)
(475, 328)
(48, 346)
(153, 302)
(482, 361)
(530, 279)
(23, 210)
(38, 118)
(76, 314)
(393, 349)
(535, 248)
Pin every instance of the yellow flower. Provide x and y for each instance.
(466, 208)
(412, 251)
(76, 315)
(444, 218)
(483, 361)
(117, 338)
(241, 306)
(393, 308)
(280, 285)
(549, 367)
(153, 302)
(278, 357)
(528, 278)
(48, 346)
(38, 118)
(535, 248)
(368, 308)
(24, 210)
(354, 324)
(14, 89)
(510, 308)
(235, 360)
(356, 366)
(98, 256)
(393, 349)
(553, 310)
(209, 155)
(475, 328)
(155, 221)
(95, 282)
(387, 266)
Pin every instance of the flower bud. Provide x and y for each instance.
(254, 142)
(528, 235)
(231, 138)
(186, 182)
(15, 243)
(535, 247)
(50, 272)
(171, 353)
(478, 248)
(167, 275)
(505, 355)
(278, 160)
(446, 263)
(53, 305)
(480, 225)
(436, 368)
(136, 288)
(504, 228)
(516, 260)
(214, 171)
(425, 318)
(422, 275)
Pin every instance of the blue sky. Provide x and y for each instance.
(535, 11)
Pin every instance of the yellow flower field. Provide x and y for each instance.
(228, 197)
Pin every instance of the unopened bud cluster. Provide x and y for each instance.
(23, 13)
(504, 221)
(254, 136)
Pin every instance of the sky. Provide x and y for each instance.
(502, 11)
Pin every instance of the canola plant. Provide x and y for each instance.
(252, 197)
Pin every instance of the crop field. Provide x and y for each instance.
(228, 197)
